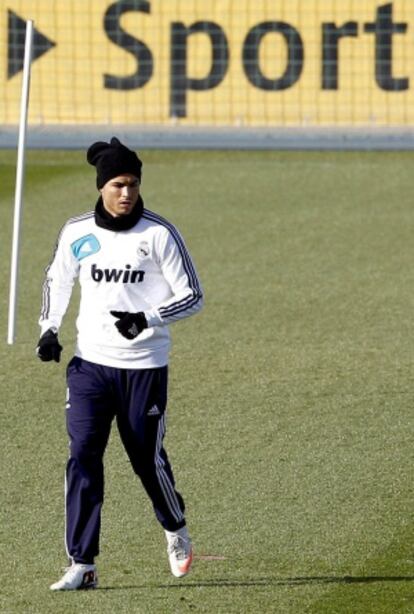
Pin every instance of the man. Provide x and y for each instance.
(136, 278)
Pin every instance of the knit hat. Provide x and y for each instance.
(113, 159)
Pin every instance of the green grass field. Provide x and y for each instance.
(291, 394)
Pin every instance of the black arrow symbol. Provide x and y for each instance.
(16, 40)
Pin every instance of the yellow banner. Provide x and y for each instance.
(212, 62)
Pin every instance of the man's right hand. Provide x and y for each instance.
(48, 346)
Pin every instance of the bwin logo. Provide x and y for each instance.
(124, 276)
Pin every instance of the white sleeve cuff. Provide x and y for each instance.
(153, 318)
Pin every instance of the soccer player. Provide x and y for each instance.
(136, 277)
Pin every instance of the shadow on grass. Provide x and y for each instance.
(270, 581)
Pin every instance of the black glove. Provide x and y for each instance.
(48, 346)
(130, 324)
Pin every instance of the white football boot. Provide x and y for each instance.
(180, 552)
(77, 576)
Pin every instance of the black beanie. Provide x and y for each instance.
(113, 159)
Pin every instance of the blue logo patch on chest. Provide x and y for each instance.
(85, 246)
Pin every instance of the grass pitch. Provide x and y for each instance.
(291, 395)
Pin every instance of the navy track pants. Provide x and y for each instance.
(137, 399)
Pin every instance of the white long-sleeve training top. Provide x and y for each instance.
(146, 268)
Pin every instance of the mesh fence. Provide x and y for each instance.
(255, 63)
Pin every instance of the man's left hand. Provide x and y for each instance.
(130, 325)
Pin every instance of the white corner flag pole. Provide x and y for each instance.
(21, 151)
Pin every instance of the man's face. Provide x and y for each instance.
(120, 194)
